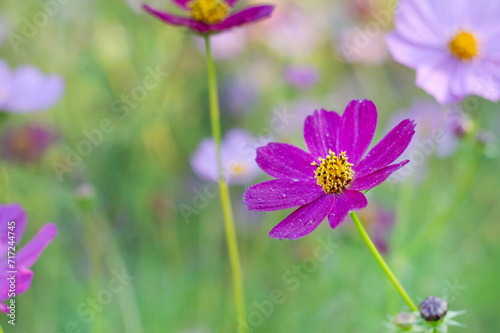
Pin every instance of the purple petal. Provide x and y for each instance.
(281, 194)
(178, 20)
(357, 126)
(408, 53)
(387, 150)
(320, 132)
(245, 16)
(304, 220)
(5, 83)
(181, 3)
(30, 253)
(376, 178)
(435, 78)
(282, 160)
(9, 213)
(343, 204)
(33, 91)
(23, 282)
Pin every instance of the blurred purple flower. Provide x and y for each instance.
(26, 143)
(11, 235)
(453, 46)
(26, 89)
(239, 93)
(329, 179)
(380, 223)
(302, 77)
(225, 46)
(238, 158)
(211, 16)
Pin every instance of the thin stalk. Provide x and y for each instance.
(382, 263)
(1, 329)
(232, 241)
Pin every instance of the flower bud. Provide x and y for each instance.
(405, 320)
(433, 308)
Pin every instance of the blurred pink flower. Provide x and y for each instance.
(301, 77)
(357, 46)
(453, 46)
(26, 89)
(26, 143)
(24, 257)
(238, 150)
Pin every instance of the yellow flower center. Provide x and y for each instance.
(334, 173)
(237, 169)
(209, 11)
(464, 46)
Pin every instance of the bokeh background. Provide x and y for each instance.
(133, 208)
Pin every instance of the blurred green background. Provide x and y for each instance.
(118, 211)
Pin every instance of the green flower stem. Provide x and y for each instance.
(232, 241)
(1, 329)
(382, 263)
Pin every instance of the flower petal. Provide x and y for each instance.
(29, 254)
(376, 178)
(435, 78)
(178, 20)
(8, 213)
(357, 126)
(321, 132)
(23, 282)
(182, 3)
(282, 160)
(281, 194)
(303, 220)
(408, 53)
(245, 16)
(343, 204)
(387, 150)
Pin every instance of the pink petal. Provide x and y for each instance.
(30, 253)
(178, 20)
(343, 204)
(357, 128)
(409, 53)
(281, 194)
(320, 133)
(11, 213)
(376, 178)
(247, 15)
(303, 220)
(282, 160)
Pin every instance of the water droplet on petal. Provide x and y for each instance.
(301, 202)
(282, 196)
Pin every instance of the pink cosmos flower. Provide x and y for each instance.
(330, 178)
(26, 256)
(26, 89)
(453, 45)
(211, 16)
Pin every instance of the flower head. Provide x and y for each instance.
(211, 16)
(452, 45)
(26, 89)
(26, 143)
(238, 158)
(329, 179)
(26, 256)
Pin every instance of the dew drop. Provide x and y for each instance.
(282, 196)
(301, 202)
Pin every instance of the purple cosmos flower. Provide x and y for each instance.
(26, 89)
(453, 45)
(26, 143)
(211, 16)
(26, 256)
(329, 179)
(238, 158)
(302, 77)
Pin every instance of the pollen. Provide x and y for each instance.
(209, 11)
(464, 46)
(334, 173)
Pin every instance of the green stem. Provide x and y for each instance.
(232, 241)
(1, 329)
(382, 263)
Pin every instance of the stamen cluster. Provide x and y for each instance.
(464, 46)
(334, 173)
(209, 11)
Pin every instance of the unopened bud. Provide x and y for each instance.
(433, 308)
(405, 320)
